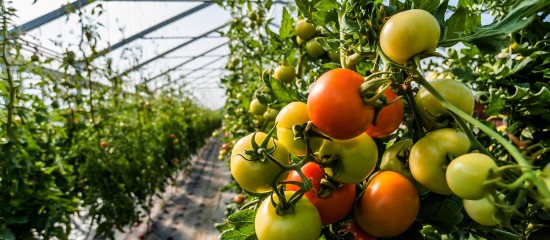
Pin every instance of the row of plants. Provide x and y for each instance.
(69, 145)
(415, 119)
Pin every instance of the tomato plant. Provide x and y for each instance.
(409, 33)
(389, 118)
(335, 105)
(255, 173)
(303, 222)
(350, 161)
(334, 204)
(388, 206)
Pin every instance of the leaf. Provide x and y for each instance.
(243, 222)
(440, 12)
(286, 25)
(16, 219)
(327, 5)
(461, 21)
(304, 7)
(428, 5)
(329, 44)
(442, 212)
(6, 234)
(495, 103)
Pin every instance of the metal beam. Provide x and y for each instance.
(48, 17)
(187, 61)
(172, 49)
(207, 56)
(178, 37)
(153, 28)
(194, 70)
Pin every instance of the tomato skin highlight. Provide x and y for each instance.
(389, 117)
(256, 176)
(409, 33)
(335, 105)
(389, 205)
(333, 207)
(304, 223)
(466, 174)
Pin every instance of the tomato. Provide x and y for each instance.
(466, 174)
(335, 105)
(453, 91)
(389, 117)
(256, 176)
(305, 30)
(295, 113)
(284, 73)
(225, 146)
(356, 232)
(357, 158)
(388, 206)
(256, 107)
(395, 158)
(270, 114)
(314, 49)
(239, 199)
(333, 207)
(334, 56)
(299, 40)
(428, 157)
(303, 223)
(103, 144)
(409, 33)
(482, 211)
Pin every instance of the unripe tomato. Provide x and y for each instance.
(303, 223)
(482, 211)
(389, 117)
(256, 107)
(334, 56)
(392, 160)
(270, 114)
(466, 174)
(314, 49)
(409, 33)
(256, 176)
(336, 107)
(295, 113)
(357, 158)
(285, 74)
(428, 157)
(305, 30)
(388, 206)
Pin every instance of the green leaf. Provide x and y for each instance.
(495, 103)
(329, 44)
(442, 212)
(327, 5)
(16, 219)
(286, 25)
(243, 222)
(428, 5)
(305, 8)
(6, 234)
(440, 12)
(461, 21)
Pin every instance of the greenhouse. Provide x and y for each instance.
(274, 119)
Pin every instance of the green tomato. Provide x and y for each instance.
(314, 49)
(334, 56)
(409, 33)
(428, 157)
(395, 158)
(305, 30)
(357, 158)
(285, 74)
(466, 174)
(482, 211)
(256, 107)
(256, 176)
(295, 113)
(303, 223)
(270, 114)
(455, 92)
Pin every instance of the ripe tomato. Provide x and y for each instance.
(294, 113)
(388, 206)
(284, 73)
(428, 157)
(466, 174)
(256, 176)
(305, 30)
(357, 158)
(314, 49)
(409, 33)
(270, 114)
(482, 211)
(333, 207)
(256, 107)
(103, 144)
(389, 117)
(304, 223)
(392, 160)
(356, 232)
(335, 105)
(453, 91)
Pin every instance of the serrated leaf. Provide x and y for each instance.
(244, 226)
(442, 212)
(329, 44)
(495, 103)
(327, 5)
(428, 5)
(460, 22)
(286, 25)
(304, 7)
(242, 218)
(331, 65)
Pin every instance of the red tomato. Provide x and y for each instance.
(333, 207)
(389, 117)
(388, 206)
(335, 105)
